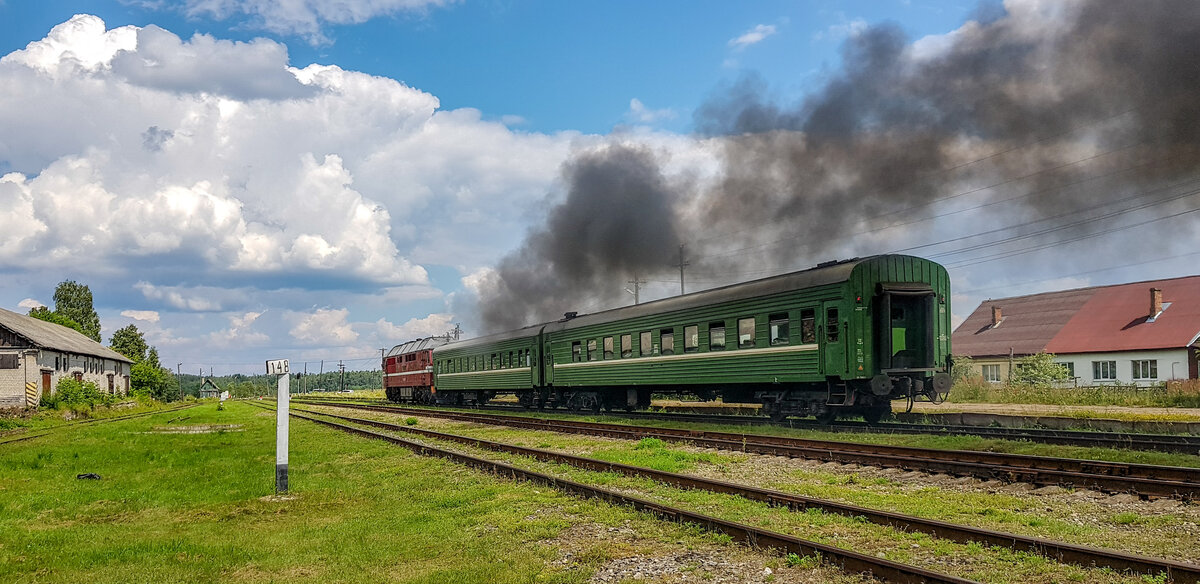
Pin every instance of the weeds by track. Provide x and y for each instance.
(848, 560)
(1061, 551)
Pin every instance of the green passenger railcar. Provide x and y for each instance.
(844, 338)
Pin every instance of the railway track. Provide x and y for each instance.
(847, 560)
(1060, 551)
(1176, 443)
(1149, 481)
(47, 432)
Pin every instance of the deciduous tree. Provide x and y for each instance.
(74, 301)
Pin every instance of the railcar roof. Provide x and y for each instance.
(417, 345)
(820, 275)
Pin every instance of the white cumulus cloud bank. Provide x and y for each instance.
(219, 157)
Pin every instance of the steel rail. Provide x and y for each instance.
(1061, 551)
(845, 559)
(1113, 477)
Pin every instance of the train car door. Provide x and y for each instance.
(833, 341)
(547, 364)
(904, 323)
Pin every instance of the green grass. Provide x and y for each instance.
(1063, 518)
(199, 508)
(1178, 393)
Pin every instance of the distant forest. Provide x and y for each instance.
(251, 385)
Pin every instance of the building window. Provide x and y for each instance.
(691, 338)
(608, 347)
(831, 325)
(746, 332)
(991, 373)
(1104, 370)
(1070, 367)
(9, 361)
(626, 346)
(646, 347)
(593, 352)
(779, 329)
(666, 342)
(1145, 369)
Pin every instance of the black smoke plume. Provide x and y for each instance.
(617, 221)
(1048, 112)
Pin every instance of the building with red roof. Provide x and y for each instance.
(1141, 333)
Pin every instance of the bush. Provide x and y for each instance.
(76, 395)
(1039, 369)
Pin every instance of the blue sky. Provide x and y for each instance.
(557, 65)
(254, 179)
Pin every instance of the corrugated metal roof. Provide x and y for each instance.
(47, 335)
(1084, 320)
(417, 345)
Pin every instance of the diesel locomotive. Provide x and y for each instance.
(841, 339)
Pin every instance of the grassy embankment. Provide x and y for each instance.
(198, 507)
(1172, 394)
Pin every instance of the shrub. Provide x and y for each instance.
(76, 395)
(1039, 369)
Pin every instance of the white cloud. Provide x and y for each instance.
(324, 327)
(753, 36)
(191, 299)
(143, 315)
(240, 332)
(846, 28)
(30, 304)
(638, 112)
(414, 328)
(305, 17)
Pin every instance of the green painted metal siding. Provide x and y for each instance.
(483, 375)
(899, 269)
(793, 362)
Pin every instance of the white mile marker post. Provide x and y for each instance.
(280, 367)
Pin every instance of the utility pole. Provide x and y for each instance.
(304, 384)
(682, 264)
(637, 288)
(382, 370)
(342, 369)
(179, 377)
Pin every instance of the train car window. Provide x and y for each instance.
(510, 363)
(593, 353)
(666, 341)
(746, 333)
(831, 325)
(608, 347)
(646, 347)
(691, 338)
(779, 329)
(716, 336)
(808, 325)
(626, 346)
(576, 352)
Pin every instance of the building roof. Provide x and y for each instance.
(417, 345)
(1085, 320)
(55, 337)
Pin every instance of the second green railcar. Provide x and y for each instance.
(841, 339)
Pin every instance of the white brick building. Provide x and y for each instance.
(35, 355)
